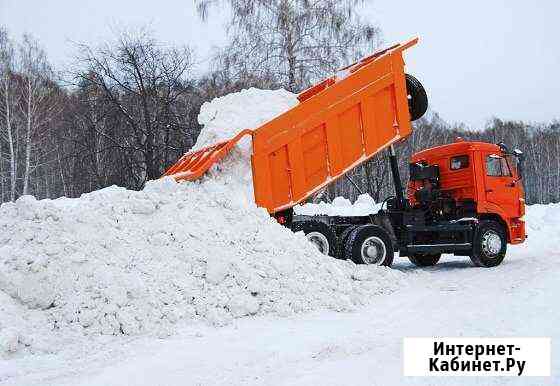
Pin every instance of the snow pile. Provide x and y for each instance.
(541, 226)
(363, 206)
(116, 262)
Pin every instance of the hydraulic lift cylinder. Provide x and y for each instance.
(396, 178)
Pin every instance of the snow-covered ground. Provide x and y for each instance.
(362, 347)
(190, 283)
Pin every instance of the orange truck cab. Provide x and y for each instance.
(464, 198)
(477, 179)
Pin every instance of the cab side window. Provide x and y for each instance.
(497, 166)
(459, 162)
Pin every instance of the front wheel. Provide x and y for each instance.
(489, 244)
(370, 244)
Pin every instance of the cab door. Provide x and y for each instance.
(501, 184)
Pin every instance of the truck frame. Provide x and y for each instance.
(464, 198)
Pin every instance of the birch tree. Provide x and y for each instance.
(36, 100)
(291, 43)
(6, 108)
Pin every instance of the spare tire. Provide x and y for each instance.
(417, 97)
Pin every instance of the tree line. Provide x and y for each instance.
(127, 108)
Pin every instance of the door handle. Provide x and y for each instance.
(489, 190)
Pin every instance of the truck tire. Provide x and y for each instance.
(341, 253)
(424, 260)
(319, 234)
(417, 97)
(369, 244)
(489, 244)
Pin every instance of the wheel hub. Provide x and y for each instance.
(491, 243)
(373, 251)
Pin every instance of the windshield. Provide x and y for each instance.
(513, 163)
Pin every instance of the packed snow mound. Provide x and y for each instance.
(340, 206)
(121, 262)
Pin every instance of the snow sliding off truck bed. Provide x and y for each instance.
(464, 198)
(338, 124)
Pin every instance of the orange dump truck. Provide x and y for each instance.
(348, 118)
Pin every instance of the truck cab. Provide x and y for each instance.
(464, 198)
(482, 179)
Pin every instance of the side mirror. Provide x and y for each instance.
(520, 168)
(520, 161)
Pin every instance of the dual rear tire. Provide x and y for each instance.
(369, 244)
(365, 244)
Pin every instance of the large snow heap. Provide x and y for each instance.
(117, 261)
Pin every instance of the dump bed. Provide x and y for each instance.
(338, 124)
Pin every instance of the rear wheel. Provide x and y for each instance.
(341, 253)
(424, 260)
(369, 244)
(489, 244)
(319, 234)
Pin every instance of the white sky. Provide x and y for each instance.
(477, 59)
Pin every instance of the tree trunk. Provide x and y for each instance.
(61, 171)
(27, 142)
(290, 50)
(13, 170)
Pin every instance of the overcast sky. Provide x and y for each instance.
(477, 59)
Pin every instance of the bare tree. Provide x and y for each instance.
(143, 81)
(6, 72)
(37, 105)
(291, 42)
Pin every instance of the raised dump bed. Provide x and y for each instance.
(338, 124)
